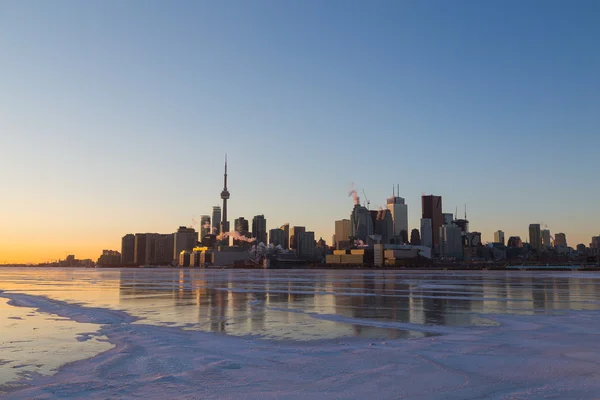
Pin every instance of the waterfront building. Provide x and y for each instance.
(140, 249)
(546, 239)
(343, 231)
(535, 237)
(185, 239)
(399, 213)
(415, 238)
(259, 229)
(560, 240)
(426, 233)
(109, 258)
(451, 243)
(286, 236)
(128, 249)
(499, 237)
(431, 207)
(216, 220)
(306, 245)
(276, 237)
(515, 242)
(241, 226)
(294, 237)
(205, 226)
(384, 225)
(361, 223)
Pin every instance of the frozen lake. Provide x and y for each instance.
(174, 333)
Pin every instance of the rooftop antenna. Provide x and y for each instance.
(393, 189)
(465, 211)
(456, 213)
(398, 190)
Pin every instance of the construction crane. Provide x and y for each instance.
(366, 200)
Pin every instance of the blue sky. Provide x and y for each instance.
(115, 116)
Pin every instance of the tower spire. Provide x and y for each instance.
(225, 197)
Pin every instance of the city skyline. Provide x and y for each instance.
(113, 126)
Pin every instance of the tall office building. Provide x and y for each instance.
(241, 226)
(294, 236)
(448, 218)
(140, 249)
(426, 233)
(415, 237)
(399, 213)
(451, 241)
(205, 226)
(361, 223)
(128, 249)
(216, 220)
(535, 237)
(276, 237)
(225, 196)
(343, 231)
(546, 239)
(432, 209)
(499, 237)
(384, 225)
(306, 245)
(160, 249)
(185, 239)
(259, 229)
(515, 242)
(560, 239)
(286, 236)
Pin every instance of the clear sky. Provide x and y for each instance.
(115, 115)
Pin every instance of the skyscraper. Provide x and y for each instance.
(432, 210)
(361, 223)
(535, 237)
(128, 249)
(185, 239)
(276, 237)
(426, 233)
(560, 239)
(259, 229)
(286, 236)
(205, 227)
(384, 225)
(294, 236)
(448, 218)
(499, 237)
(216, 220)
(546, 239)
(225, 196)
(399, 214)
(241, 226)
(140, 249)
(343, 230)
(451, 241)
(415, 238)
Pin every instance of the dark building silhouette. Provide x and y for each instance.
(241, 225)
(432, 209)
(259, 229)
(294, 236)
(514, 241)
(415, 237)
(140, 249)
(286, 236)
(128, 249)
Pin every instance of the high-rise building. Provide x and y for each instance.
(426, 233)
(399, 213)
(384, 225)
(432, 210)
(306, 245)
(185, 239)
(294, 236)
(225, 196)
(361, 223)
(276, 237)
(560, 239)
(595, 243)
(140, 249)
(216, 220)
(161, 248)
(515, 242)
(535, 237)
(205, 226)
(448, 218)
(241, 226)
(415, 238)
(451, 241)
(546, 241)
(499, 237)
(286, 236)
(259, 229)
(343, 231)
(128, 249)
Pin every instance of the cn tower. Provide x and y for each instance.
(225, 197)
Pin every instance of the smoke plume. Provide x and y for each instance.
(354, 195)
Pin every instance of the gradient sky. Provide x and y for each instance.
(115, 115)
